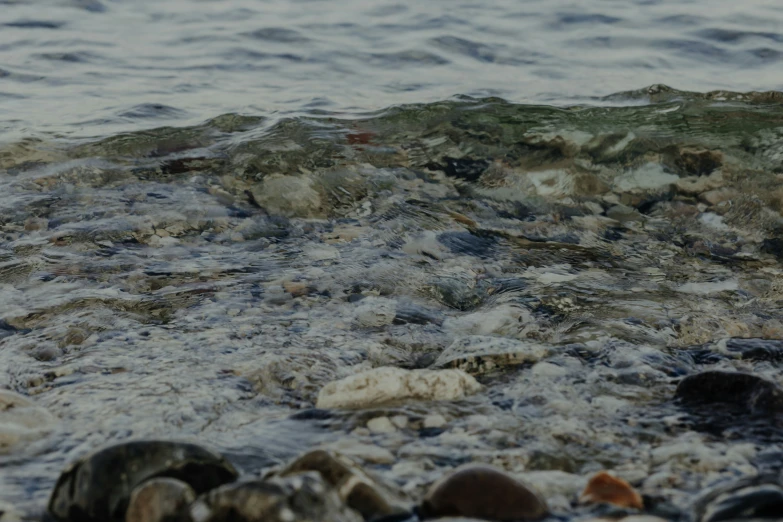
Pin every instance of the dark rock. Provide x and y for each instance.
(762, 501)
(482, 492)
(357, 489)
(90, 490)
(740, 389)
(469, 244)
(693, 162)
(304, 497)
(468, 169)
(160, 500)
(756, 349)
(414, 314)
(773, 246)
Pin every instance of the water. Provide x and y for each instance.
(93, 67)
(201, 203)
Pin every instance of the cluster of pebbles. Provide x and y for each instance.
(480, 309)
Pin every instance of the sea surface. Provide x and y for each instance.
(210, 210)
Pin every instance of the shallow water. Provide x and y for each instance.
(196, 241)
(94, 67)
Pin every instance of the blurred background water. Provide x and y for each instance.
(96, 67)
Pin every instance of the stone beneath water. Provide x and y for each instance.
(160, 500)
(755, 502)
(290, 196)
(357, 489)
(740, 389)
(21, 421)
(382, 385)
(90, 490)
(478, 354)
(304, 497)
(604, 488)
(482, 492)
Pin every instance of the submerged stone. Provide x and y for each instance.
(357, 489)
(740, 389)
(90, 490)
(160, 500)
(387, 384)
(607, 489)
(476, 354)
(482, 492)
(22, 421)
(304, 497)
(755, 502)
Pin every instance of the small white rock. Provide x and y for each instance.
(381, 425)
(435, 420)
(375, 311)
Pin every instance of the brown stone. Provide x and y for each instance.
(603, 488)
(358, 490)
(160, 499)
(483, 492)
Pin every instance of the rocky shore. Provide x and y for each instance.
(467, 309)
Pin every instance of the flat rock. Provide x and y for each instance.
(386, 384)
(476, 354)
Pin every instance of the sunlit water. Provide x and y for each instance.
(200, 202)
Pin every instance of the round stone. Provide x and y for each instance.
(483, 492)
(160, 500)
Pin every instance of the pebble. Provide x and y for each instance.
(357, 489)
(160, 500)
(382, 385)
(482, 492)
(289, 196)
(90, 487)
(434, 421)
(381, 425)
(375, 311)
(22, 421)
(476, 354)
(603, 488)
(305, 497)
(763, 501)
(741, 389)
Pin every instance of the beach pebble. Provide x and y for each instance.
(603, 488)
(21, 421)
(160, 500)
(375, 311)
(90, 487)
(476, 354)
(381, 385)
(381, 425)
(482, 492)
(741, 389)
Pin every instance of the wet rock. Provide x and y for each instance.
(21, 422)
(756, 349)
(773, 246)
(468, 244)
(482, 492)
(466, 168)
(460, 293)
(622, 214)
(9, 513)
(476, 354)
(696, 162)
(740, 389)
(289, 196)
(387, 384)
(304, 497)
(754, 502)
(607, 489)
(88, 490)
(375, 312)
(160, 500)
(357, 490)
(413, 314)
(717, 196)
